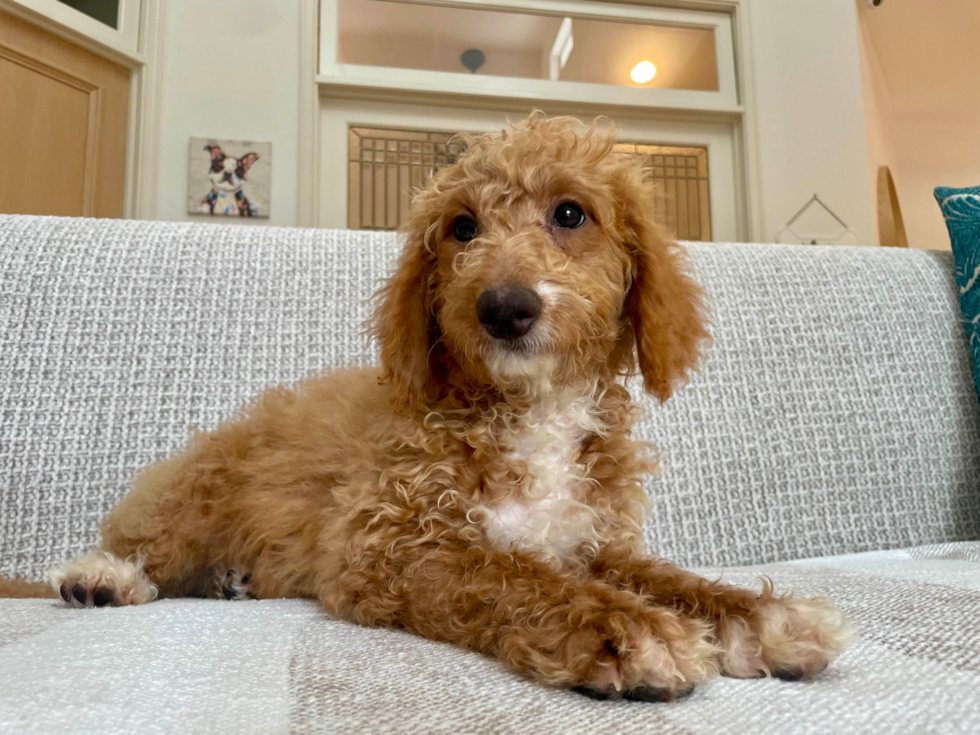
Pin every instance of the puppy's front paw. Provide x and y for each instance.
(788, 637)
(100, 579)
(660, 661)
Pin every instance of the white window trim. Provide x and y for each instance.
(121, 45)
(379, 79)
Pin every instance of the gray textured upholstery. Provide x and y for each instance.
(835, 412)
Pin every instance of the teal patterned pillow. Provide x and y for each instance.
(961, 208)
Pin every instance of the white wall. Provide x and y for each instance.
(810, 119)
(231, 70)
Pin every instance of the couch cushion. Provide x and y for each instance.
(285, 666)
(833, 413)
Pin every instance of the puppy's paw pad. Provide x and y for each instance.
(592, 692)
(657, 694)
(100, 579)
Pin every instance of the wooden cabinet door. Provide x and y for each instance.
(63, 119)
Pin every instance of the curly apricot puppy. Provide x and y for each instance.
(482, 487)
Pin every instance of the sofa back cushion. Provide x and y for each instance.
(831, 414)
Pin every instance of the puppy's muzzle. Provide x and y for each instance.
(508, 312)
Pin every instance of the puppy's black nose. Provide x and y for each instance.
(508, 312)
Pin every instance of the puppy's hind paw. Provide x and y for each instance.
(231, 584)
(100, 579)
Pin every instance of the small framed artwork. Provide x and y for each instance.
(229, 178)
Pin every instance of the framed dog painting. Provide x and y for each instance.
(229, 178)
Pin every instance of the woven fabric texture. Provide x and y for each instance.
(832, 414)
(285, 666)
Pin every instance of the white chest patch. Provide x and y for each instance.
(549, 520)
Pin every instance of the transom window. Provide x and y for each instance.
(526, 45)
(558, 50)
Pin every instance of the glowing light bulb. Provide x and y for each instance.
(643, 72)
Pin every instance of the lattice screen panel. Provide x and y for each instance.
(682, 195)
(387, 165)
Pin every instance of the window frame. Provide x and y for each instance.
(727, 99)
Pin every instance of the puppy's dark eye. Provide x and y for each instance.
(569, 215)
(464, 229)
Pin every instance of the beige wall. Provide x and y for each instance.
(934, 150)
(878, 117)
(923, 108)
(808, 93)
(231, 71)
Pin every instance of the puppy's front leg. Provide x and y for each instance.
(757, 634)
(562, 630)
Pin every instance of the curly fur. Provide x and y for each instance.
(483, 494)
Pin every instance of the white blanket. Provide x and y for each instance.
(182, 666)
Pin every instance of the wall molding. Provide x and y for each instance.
(308, 142)
(145, 98)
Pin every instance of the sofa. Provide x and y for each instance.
(830, 442)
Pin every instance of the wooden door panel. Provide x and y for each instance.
(51, 116)
(62, 126)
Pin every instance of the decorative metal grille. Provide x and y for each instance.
(387, 165)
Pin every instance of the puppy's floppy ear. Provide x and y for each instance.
(664, 316)
(404, 325)
(215, 151)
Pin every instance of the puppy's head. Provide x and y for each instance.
(228, 174)
(536, 261)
